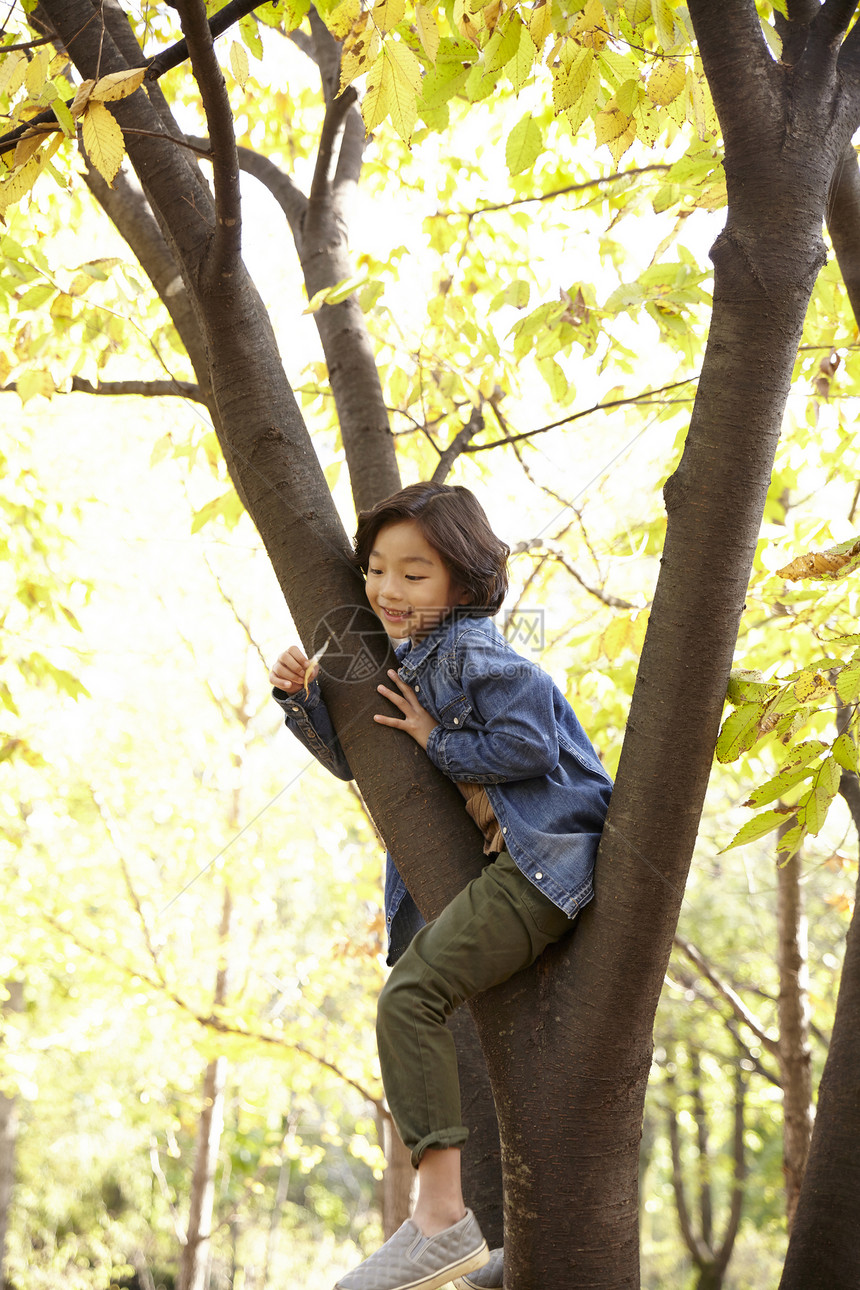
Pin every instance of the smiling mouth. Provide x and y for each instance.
(396, 614)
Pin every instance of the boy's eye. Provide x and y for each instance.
(414, 577)
(370, 571)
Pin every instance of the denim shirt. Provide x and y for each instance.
(503, 723)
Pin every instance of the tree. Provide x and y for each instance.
(575, 1120)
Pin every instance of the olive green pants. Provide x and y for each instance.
(496, 926)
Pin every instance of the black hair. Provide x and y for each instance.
(454, 523)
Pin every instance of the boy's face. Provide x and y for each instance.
(409, 587)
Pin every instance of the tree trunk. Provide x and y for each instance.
(794, 1053)
(194, 1266)
(8, 1135)
(824, 1246)
(398, 1179)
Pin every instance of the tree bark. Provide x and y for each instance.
(824, 1246)
(794, 1053)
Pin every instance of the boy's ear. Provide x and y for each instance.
(465, 597)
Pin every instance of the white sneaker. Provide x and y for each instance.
(409, 1260)
(490, 1277)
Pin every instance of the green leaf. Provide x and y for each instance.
(812, 810)
(524, 145)
(790, 843)
(37, 296)
(845, 752)
(758, 827)
(747, 687)
(848, 683)
(740, 731)
(781, 783)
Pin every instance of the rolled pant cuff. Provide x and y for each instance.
(441, 1138)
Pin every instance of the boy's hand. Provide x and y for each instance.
(288, 674)
(416, 721)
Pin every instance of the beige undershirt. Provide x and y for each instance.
(479, 809)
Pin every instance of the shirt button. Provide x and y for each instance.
(417, 688)
(456, 721)
(538, 876)
(505, 829)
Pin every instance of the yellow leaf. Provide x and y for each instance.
(5, 369)
(386, 14)
(81, 98)
(561, 92)
(616, 637)
(491, 13)
(374, 105)
(239, 64)
(33, 382)
(810, 687)
(12, 72)
(592, 26)
(19, 182)
(619, 145)
(637, 10)
(519, 67)
(666, 81)
(37, 73)
(579, 72)
(540, 23)
(664, 21)
(28, 146)
(360, 50)
(118, 85)
(404, 73)
(609, 125)
(62, 306)
(103, 141)
(428, 30)
(342, 18)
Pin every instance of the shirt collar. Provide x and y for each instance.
(410, 658)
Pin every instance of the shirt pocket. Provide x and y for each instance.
(454, 713)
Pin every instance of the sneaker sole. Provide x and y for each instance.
(463, 1282)
(454, 1271)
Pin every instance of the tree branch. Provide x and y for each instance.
(449, 455)
(335, 112)
(285, 191)
(575, 416)
(227, 241)
(740, 1172)
(598, 182)
(556, 553)
(738, 1006)
(692, 1242)
(172, 57)
(834, 16)
(738, 65)
(147, 389)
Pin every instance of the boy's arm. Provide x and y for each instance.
(517, 739)
(305, 711)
